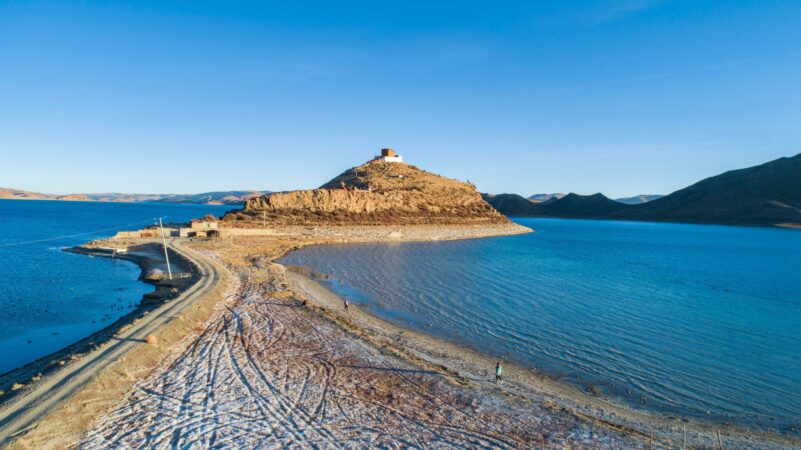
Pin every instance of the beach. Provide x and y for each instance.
(275, 360)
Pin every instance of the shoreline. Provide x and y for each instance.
(84, 376)
(792, 226)
(30, 374)
(468, 366)
(278, 363)
(251, 259)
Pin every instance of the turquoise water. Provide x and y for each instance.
(50, 298)
(689, 319)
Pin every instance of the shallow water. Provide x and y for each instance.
(50, 298)
(690, 319)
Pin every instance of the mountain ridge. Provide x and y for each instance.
(203, 198)
(768, 194)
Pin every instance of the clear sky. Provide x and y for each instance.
(622, 97)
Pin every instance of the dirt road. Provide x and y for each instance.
(25, 412)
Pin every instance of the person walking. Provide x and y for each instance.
(498, 372)
(346, 304)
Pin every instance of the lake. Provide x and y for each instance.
(696, 320)
(49, 298)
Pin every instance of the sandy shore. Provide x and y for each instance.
(277, 362)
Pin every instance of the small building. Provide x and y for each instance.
(389, 155)
(200, 228)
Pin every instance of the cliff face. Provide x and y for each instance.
(376, 193)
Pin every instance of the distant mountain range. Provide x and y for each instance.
(637, 199)
(539, 198)
(205, 198)
(764, 195)
(644, 198)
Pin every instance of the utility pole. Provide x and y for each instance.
(164, 243)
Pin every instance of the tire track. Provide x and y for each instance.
(265, 372)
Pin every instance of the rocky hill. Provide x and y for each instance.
(375, 193)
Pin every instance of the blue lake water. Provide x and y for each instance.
(49, 298)
(701, 320)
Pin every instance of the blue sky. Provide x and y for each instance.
(622, 97)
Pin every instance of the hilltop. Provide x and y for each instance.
(374, 193)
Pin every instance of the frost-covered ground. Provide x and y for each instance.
(267, 372)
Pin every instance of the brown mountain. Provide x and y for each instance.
(17, 194)
(768, 194)
(206, 198)
(375, 193)
(510, 204)
(765, 195)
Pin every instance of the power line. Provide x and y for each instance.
(36, 241)
(164, 243)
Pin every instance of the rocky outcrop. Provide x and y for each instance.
(375, 193)
(326, 200)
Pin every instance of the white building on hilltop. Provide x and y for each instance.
(388, 155)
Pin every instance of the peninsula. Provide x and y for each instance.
(270, 358)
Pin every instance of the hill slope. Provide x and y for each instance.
(768, 194)
(375, 193)
(510, 204)
(594, 206)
